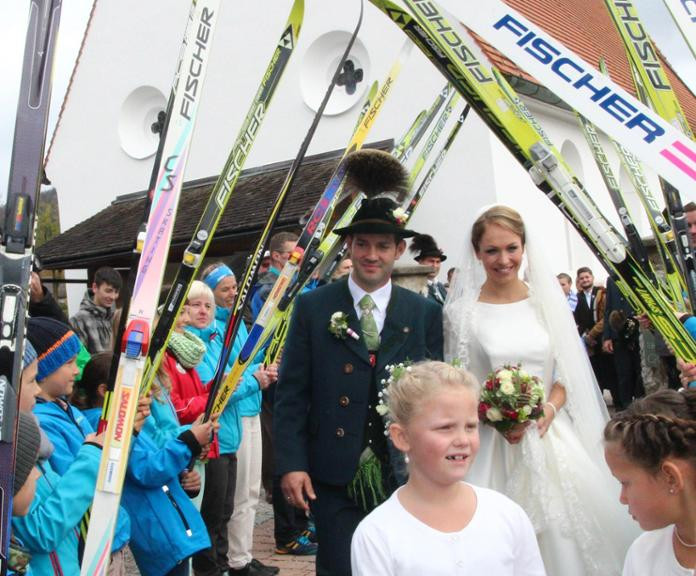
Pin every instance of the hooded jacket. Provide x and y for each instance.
(50, 529)
(67, 428)
(169, 528)
(92, 324)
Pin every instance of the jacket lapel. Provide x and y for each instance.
(395, 330)
(593, 305)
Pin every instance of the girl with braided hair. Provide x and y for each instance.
(651, 449)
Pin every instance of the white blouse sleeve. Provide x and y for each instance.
(369, 552)
(628, 566)
(528, 560)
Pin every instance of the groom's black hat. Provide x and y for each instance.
(384, 181)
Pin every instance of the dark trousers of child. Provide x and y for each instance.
(288, 521)
(629, 381)
(216, 509)
(605, 373)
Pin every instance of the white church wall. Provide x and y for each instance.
(464, 183)
(88, 164)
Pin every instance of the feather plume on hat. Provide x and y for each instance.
(375, 173)
(424, 246)
(384, 182)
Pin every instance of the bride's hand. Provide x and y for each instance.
(544, 422)
(516, 433)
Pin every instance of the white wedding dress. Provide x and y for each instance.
(571, 500)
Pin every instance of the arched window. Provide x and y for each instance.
(633, 203)
(570, 152)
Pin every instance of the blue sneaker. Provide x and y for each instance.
(311, 532)
(300, 546)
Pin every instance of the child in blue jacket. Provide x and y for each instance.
(47, 508)
(169, 529)
(49, 532)
(57, 346)
(27, 445)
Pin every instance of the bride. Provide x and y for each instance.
(554, 467)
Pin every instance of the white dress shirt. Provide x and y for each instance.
(380, 297)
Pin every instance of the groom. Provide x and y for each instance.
(329, 436)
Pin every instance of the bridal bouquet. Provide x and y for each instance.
(510, 396)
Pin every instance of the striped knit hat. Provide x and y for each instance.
(55, 344)
(29, 354)
(28, 442)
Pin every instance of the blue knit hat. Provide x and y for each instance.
(55, 344)
(29, 353)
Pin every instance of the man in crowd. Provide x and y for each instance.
(280, 248)
(93, 321)
(290, 526)
(620, 339)
(566, 283)
(427, 253)
(690, 213)
(589, 317)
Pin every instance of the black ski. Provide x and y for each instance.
(17, 243)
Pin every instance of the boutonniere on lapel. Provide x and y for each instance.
(338, 326)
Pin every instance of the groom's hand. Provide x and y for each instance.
(297, 489)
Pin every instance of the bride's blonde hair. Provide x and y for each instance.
(420, 381)
(502, 216)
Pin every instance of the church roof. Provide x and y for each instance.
(107, 237)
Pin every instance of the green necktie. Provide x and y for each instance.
(368, 324)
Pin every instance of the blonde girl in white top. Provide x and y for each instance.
(437, 524)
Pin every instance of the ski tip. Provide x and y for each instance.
(297, 16)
